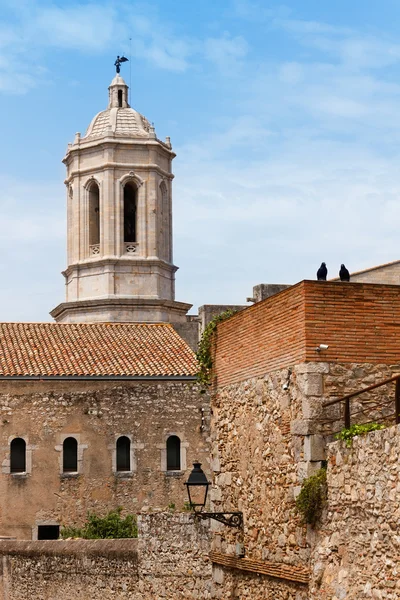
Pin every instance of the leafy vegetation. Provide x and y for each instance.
(312, 497)
(112, 526)
(204, 351)
(347, 435)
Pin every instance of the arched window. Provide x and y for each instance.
(129, 213)
(18, 456)
(70, 455)
(94, 214)
(173, 453)
(164, 223)
(123, 454)
(120, 98)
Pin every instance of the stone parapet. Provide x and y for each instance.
(356, 548)
(168, 561)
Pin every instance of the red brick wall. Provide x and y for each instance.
(360, 323)
(264, 337)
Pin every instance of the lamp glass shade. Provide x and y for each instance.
(197, 487)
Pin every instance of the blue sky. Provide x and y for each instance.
(285, 119)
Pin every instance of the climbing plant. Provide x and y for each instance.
(204, 351)
(347, 435)
(312, 497)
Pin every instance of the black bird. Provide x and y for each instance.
(344, 274)
(322, 272)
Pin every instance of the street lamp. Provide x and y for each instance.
(197, 487)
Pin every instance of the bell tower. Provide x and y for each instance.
(119, 215)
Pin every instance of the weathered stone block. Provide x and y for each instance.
(317, 367)
(314, 448)
(303, 427)
(310, 384)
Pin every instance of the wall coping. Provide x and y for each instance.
(108, 548)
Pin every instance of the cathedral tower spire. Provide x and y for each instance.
(119, 214)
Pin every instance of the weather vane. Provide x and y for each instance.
(117, 64)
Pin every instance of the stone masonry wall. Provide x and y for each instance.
(174, 559)
(169, 561)
(78, 569)
(356, 553)
(387, 274)
(268, 434)
(255, 459)
(96, 413)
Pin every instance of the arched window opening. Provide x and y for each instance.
(129, 213)
(94, 214)
(18, 456)
(70, 455)
(123, 454)
(164, 222)
(120, 98)
(173, 453)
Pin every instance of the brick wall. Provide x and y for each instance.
(266, 336)
(360, 323)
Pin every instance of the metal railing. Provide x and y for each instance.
(346, 401)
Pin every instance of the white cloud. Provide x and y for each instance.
(32, 244)
(303, 27)
(257, 11)
(21, 223)
(226, 52)
(85, 27)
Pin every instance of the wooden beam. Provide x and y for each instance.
(277, 570)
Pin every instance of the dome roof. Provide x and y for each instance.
(125, 122)
(119, 118)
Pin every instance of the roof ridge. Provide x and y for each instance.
(100, 323)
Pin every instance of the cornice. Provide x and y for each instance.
(120, 302)
(108, 141)
(112, 261)
(118, 165)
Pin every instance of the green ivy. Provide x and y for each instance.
(112, 526)
(204, 351)
(312, 497)
(347, 435)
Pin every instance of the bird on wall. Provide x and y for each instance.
(344, 274)
(322, 272)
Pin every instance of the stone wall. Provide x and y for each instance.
(388, 273)
(268, 434)
(84, 570)
(96, 413)
(356, 552)
(169, 561)
(174, 559)
(256, 459)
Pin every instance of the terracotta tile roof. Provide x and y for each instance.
(93, 349)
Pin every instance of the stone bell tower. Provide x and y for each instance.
(119, 184)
